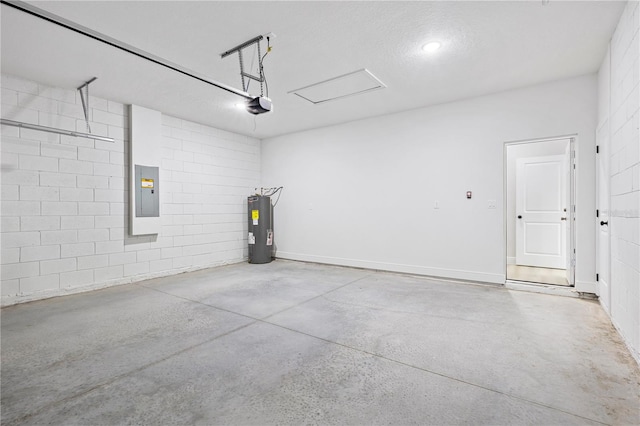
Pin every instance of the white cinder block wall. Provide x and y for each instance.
(364, 193)
(619, 99)
(64, 199)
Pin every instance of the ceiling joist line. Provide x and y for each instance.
(70, 25)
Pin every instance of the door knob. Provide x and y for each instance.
(519, 216)
(602, 222)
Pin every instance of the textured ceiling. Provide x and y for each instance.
(487, 47)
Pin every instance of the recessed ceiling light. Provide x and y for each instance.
(432, 46)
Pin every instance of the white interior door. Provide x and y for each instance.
(540, 203)
(604, 241)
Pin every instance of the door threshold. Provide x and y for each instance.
(543, 288)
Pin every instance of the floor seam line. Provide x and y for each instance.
(251, 321)
(265, 320)
(128, 373)
(141, 368)
(376, 308)
(201, 303)
(433, 372)
(316, 297)
(249, 316)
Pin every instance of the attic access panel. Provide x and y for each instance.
(353, 83)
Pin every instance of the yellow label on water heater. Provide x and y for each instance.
(255, 214)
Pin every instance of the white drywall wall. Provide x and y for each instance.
(145, 131)
(363, 193)
(619, 105)
(65, 200)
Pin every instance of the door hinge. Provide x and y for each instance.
(597, 149)
(597, 277)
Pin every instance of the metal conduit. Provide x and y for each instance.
(6, 122)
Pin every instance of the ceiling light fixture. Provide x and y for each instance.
(432, 46)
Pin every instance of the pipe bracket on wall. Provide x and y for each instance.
(85, 103)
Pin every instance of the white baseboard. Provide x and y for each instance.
(454, 274)
(543, 288)
(581, 289)
(586, 286)
(635, 352)
(47, 294)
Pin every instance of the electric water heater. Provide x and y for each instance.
(260, 215)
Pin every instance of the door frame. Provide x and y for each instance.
(571, 187)
(603, 281)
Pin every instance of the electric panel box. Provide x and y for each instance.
(147, 190)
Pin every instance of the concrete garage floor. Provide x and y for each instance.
(297, 343)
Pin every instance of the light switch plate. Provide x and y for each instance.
(491, 204)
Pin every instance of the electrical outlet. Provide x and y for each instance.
(491, 204)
